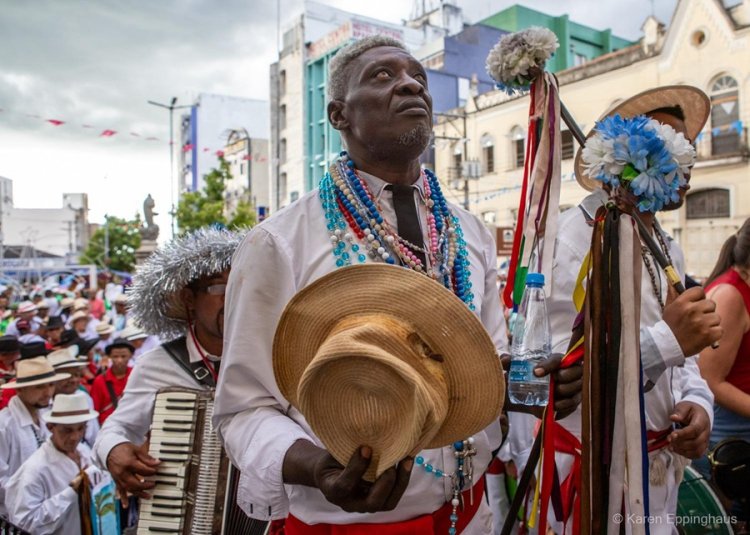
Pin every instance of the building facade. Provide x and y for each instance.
(62, 232)
(204, 132)
(249, 165)
(705, 45)
(578, 43)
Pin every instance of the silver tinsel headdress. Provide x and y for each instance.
(154, 299)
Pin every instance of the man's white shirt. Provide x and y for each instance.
(276, 260)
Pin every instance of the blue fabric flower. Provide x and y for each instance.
(639, 159)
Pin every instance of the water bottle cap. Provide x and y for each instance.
(534, 279)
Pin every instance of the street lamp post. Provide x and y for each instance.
(171, 107)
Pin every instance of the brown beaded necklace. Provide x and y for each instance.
(650, 267)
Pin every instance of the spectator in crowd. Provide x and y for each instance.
(109, 386)
(21, 428)
(66, 361)
(726, 368)
(42, 496)
(53, 331)
(10, 352)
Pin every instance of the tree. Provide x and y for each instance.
(204, 208)
(124, 238)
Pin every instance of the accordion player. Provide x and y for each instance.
(196, 485)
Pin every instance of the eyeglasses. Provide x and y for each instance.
(213, 289)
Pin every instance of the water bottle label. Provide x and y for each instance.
(520, 371)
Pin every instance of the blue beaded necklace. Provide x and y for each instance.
(358, 230)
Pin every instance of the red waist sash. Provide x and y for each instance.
(437, 522)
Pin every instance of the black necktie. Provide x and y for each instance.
(407, 219)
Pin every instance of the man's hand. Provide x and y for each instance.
(694, 429)
(306, 464)
(568, 384)
(693, 321)
(344, 486)
(129, 466)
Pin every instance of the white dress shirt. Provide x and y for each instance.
(277, 259)
(670, 376)
(20, 437)
(132, 419)
(40, 499)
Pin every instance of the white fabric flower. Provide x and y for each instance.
(510, 60)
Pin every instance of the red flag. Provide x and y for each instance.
(219, 153)
(247, 157)
(107, 133)
(187, 147)
(55, 122)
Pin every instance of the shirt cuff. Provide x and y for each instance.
(659, 351)
(104, 444)
(261, 493)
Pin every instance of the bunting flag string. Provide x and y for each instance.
(114, 133)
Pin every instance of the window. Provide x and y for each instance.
(457, 161)
(488, 153)
(489, 217)
(517, 138)
(282, 151)
(282, 117)
(725, 116)
(579, 59)
(708, 204)
(282, 189)
(282, 83)
(567, 144)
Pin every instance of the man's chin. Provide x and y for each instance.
(673, 206)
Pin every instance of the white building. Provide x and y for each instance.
(59, 231)
(205, 130)
(299, 77)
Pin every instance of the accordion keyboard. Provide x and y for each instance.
(178, 416)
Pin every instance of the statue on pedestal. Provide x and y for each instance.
(151, 231)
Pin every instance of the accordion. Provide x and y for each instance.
(196, 484)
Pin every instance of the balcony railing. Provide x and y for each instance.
(726, 143)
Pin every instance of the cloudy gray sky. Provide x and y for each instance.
(97, 62)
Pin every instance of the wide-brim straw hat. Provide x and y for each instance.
(104, 328)
(33, 372)
(381, 356)
(68, 409)
(695, 105)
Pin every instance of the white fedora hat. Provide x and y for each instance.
(70, 409)
(33, 372)
(103, 328)
(66, 358)
(26, 306)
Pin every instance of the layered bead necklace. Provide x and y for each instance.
(358, 229)
(355, 222)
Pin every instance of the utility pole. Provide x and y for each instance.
(171, 107)
(106, 241)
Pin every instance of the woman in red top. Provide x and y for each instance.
(109, 386)
(727, 368)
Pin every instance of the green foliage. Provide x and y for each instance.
(124, 239)
(204, 208)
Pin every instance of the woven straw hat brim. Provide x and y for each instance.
(398, 406)
(694, 103)
(52, 379)
(471, 366)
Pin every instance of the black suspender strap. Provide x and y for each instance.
(177, 349)
(112, 395)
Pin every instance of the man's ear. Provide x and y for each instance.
(188, 300)
(337, 115)
(50, 426)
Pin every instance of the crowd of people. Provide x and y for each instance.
(65, 361)
(254, 317)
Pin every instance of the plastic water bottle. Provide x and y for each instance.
(531, 346)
